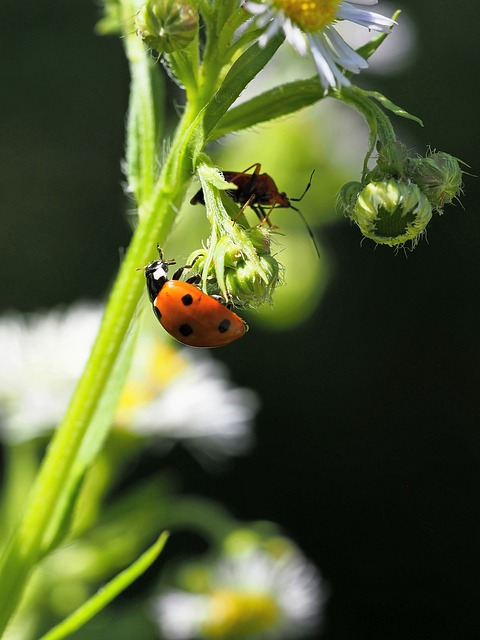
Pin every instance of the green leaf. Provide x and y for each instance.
(275, 103)
(241, 73)
(388, 104)
(107, 593)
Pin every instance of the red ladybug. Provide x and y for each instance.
(188, 314)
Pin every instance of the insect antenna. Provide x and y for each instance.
(306, 189)
(310, 232)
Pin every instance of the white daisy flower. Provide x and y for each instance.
(256, 594)
(309, 25)
(197, 404)
(169, 393)
(43, 355)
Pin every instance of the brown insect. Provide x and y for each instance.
(259, 192)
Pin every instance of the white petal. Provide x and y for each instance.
(272, 30)
(255, 8)
(364, 18)
(295, 37)
(345, 55)
(366, 2)
(324, 62)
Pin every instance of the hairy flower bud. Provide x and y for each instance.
(167, 25)
(348, 195)
(439, 177)
(392, 159)
(248, 286)
(239, 280)
(392, 212)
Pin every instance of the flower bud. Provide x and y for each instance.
(392, 212)
(348, 195)
(392, 158)
(167, 25)
(247, 285)
(242, 281)
(439, 177)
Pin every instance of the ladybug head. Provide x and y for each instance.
(156, 275)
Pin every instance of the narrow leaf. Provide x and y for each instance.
(275, 103)
(388, 104)
(241, 73)
(106, 594)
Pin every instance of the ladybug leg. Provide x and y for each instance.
(178, 273)
(221, 299)
(196, 279)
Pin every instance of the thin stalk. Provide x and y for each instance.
(26, 547)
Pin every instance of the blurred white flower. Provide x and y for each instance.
(197, 404)
(311, 27)
(169, 394)
(255, 594)
(42, 358)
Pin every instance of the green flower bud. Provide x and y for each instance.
(247, 286)
(239, 280)
(392, 212)
(439, 177)
(167, 25)
(392, 159)
(348, 195)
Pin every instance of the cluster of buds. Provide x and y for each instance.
(398, 197)
(234, 274)
(237, 265)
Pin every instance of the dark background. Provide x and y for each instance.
(368, 441)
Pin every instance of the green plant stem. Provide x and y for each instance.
(159, 200)
(20, 467)
(26, 547)
(377, 121)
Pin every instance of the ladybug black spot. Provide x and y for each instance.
(185, 330)
(157, 313)
(224, 325)
(187, 299)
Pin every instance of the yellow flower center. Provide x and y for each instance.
(238, 614)
(157, 369)
(309, 15)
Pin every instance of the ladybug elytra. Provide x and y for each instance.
(185, 312)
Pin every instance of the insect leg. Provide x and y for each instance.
(178, 273)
